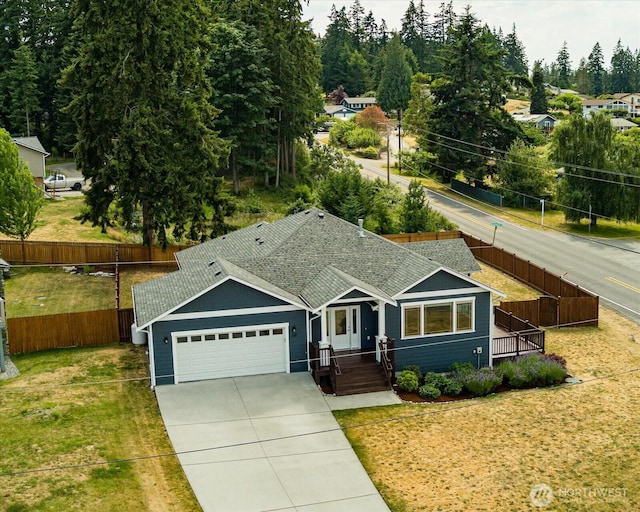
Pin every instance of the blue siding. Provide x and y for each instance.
(231, 295)
(163, 355)
(441, 281)
(436, 353)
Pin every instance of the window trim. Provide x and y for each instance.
(453, 303)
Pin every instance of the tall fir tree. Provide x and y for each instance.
(596, 71)
(23, 92)
(538, 92)
(243, 91)
(144, 121)
(563, 63)
(467, 119)
(622, 64)
(515, 59)
(394, 91)
(335, 48)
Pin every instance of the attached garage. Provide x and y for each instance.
(219, 353)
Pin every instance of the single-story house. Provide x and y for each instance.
(358, 103)
(544, 122)
(339, 111)
(257, 301)
(30, 149)
(622, 125)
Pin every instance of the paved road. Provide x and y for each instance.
(610, 269)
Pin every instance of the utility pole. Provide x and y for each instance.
(399, 141)
(388, 155)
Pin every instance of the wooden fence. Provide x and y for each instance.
(66, 330)
(423, 237)
(78, 253)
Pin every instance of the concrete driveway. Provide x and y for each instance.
(268, 442)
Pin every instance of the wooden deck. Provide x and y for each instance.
(513, 344)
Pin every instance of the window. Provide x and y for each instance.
(432, 318)
(411, 321)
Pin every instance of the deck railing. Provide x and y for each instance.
(387, 359)
(523, 336)
(335, 372)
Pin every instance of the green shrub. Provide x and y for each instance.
(370, 153)
(479, 382)
(429, 392)
(461, 367)
(532, 370)
(362, 138)
(436, 380)
(415, 369)
(407, 380)
(453, 388)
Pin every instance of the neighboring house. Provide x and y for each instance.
(633, 99)
(543, 122)
(339, 111)
(622, 125)
(358, 103)
(250, 302)
(31, 151)
(615, 107)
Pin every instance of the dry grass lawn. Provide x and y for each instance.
(486, 454)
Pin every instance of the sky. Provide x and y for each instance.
(541, 25)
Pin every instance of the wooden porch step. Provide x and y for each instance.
(360, 374)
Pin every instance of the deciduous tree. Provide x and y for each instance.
(20, 199)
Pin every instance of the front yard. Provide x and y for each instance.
(70, 411)
(488, 454)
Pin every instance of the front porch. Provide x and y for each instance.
(349, 372)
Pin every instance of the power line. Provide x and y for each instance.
(422, 414)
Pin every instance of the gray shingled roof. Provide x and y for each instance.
(308, 258)
(453, 254)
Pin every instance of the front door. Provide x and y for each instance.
(344, 327)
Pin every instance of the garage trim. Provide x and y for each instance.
(243, 329)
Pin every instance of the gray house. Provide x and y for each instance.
(30, 149)
(259, 299)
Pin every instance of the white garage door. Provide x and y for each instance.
(235, 352)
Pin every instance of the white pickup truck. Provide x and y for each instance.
(60, 181)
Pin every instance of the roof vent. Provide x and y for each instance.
(361, 228)
(260, 225)
(307, 212)
(321, 215)
(212, 262)
(217, 273)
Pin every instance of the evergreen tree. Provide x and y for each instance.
(242, 89)
(563, 63)
(357, 74)
(587, 142)
(356, 22)
(144, 121)
(415, 210)
(515, 58)
(394, 91)
(467, 102)
(20, 199)
(23, 92)
(596, 71)
(538, 92)
(622, 64)
(583, 84)
(336, 48)
(412, 35)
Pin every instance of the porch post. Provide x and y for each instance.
(381, 326)
(323, 325)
